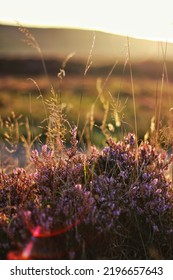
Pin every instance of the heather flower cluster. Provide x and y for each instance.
(133, 197)
(116, 204)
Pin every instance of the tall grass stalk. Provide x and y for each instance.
(133, 91)
(31, 41)
(87, 67)
(89, 60)
(40, 96)
(161, 88)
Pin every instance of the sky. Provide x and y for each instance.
(149, 19)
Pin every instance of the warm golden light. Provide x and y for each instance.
(150, 19)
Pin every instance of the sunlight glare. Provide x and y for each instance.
(136, 18)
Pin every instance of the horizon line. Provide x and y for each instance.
(42, 26)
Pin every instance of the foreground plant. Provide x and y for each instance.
(114, 204)
(134, 200)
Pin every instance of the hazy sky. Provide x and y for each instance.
(151, 19)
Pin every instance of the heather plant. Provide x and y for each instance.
(134, 199)
(114, 204)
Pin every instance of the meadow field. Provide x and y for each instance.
(79, 93)
(86, 163)
(79, 67)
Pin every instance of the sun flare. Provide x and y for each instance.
(143, 19)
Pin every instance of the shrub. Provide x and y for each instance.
(134, 200)
(115, 204)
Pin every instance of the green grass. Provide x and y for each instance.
(20, 95)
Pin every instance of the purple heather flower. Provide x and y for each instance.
(117, 212)
(155, 181)
(78, 187)
(144, 176)
(131, 139)
(155, 228)
(44, 149)
(158, 191)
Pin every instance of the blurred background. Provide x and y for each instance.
(97, 57)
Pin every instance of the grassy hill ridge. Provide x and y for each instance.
(58, 42)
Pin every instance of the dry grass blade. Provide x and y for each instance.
(133, 90)
(31, 41)
(89, 60)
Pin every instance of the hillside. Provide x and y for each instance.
(61, 42)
